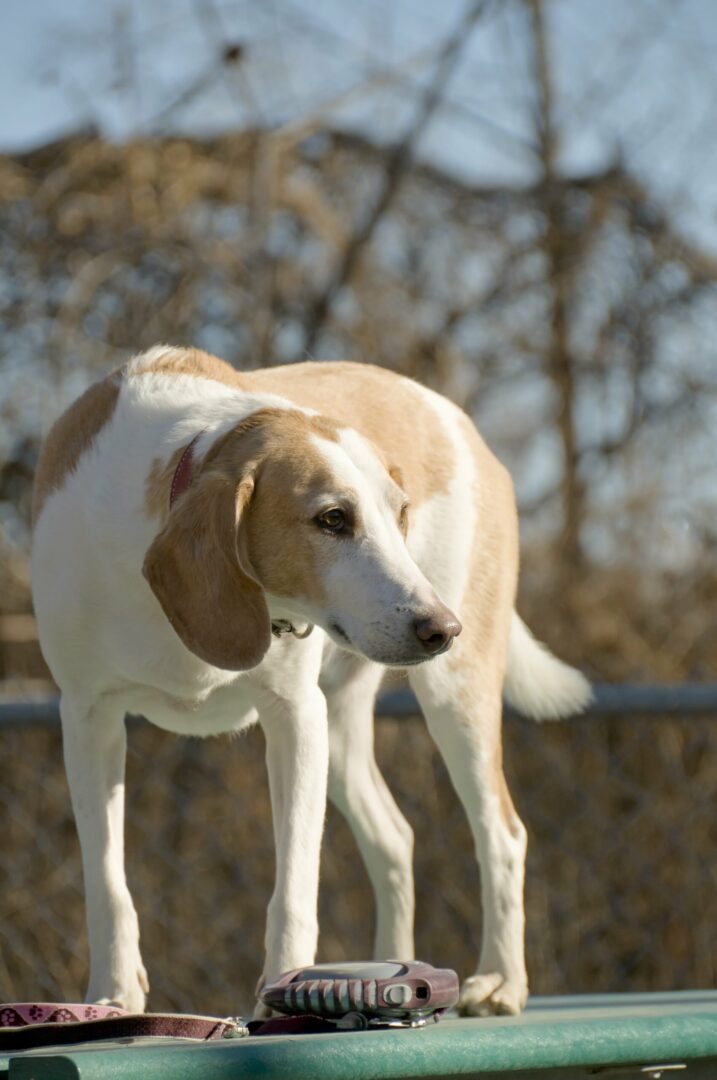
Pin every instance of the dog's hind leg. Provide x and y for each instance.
(460, 695)
(359, 791)
(94, 741)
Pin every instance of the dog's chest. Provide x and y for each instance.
(226, 708)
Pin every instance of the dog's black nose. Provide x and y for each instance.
(436, 632)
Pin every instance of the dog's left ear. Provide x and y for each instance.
(198, 570)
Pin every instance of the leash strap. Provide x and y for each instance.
(17, 1034)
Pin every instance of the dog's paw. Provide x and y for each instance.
(492, 995)
(131, 997)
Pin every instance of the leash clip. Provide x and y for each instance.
(236, 1027)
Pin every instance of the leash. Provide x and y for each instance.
(353, 996)
(29, 1026)
(22, 1028)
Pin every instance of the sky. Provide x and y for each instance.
(635, 80)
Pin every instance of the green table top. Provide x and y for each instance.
(611, 1036)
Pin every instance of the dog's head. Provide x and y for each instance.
(288, 507)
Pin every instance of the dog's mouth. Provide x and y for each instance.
(414, 661)
(340, 632)
(395, 661)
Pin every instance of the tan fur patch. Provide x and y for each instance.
(391, 414)
(196, 362)
(72, 435)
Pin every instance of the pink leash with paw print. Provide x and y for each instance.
(28, 1025)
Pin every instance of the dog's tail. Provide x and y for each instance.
(537, 684)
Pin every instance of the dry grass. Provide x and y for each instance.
(620, 869)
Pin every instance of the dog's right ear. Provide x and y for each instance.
(205, 586)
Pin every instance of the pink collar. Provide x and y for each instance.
(183, 473)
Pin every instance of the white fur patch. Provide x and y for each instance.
(443, 528)
(537, 683)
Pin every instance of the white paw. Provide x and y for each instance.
(492, 995)
(129, 994)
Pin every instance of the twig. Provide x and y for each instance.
(398, 161)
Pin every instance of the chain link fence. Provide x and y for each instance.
(621, 880)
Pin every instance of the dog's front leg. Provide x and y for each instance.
(297, 759)
(94, 741)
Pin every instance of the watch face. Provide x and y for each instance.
(351, 970)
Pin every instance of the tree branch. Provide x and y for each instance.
(398, 162)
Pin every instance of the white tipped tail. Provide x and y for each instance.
(537, 684)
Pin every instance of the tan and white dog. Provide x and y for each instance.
(183, 511)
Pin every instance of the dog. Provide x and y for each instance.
(214, 548)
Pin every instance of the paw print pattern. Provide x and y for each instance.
(19, 1015)
(62, 1016)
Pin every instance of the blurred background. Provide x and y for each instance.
(514, 202)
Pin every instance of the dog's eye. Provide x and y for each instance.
(333, 520)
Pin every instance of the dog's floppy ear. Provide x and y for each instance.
(196, 569)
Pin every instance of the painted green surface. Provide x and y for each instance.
(555, 1037)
